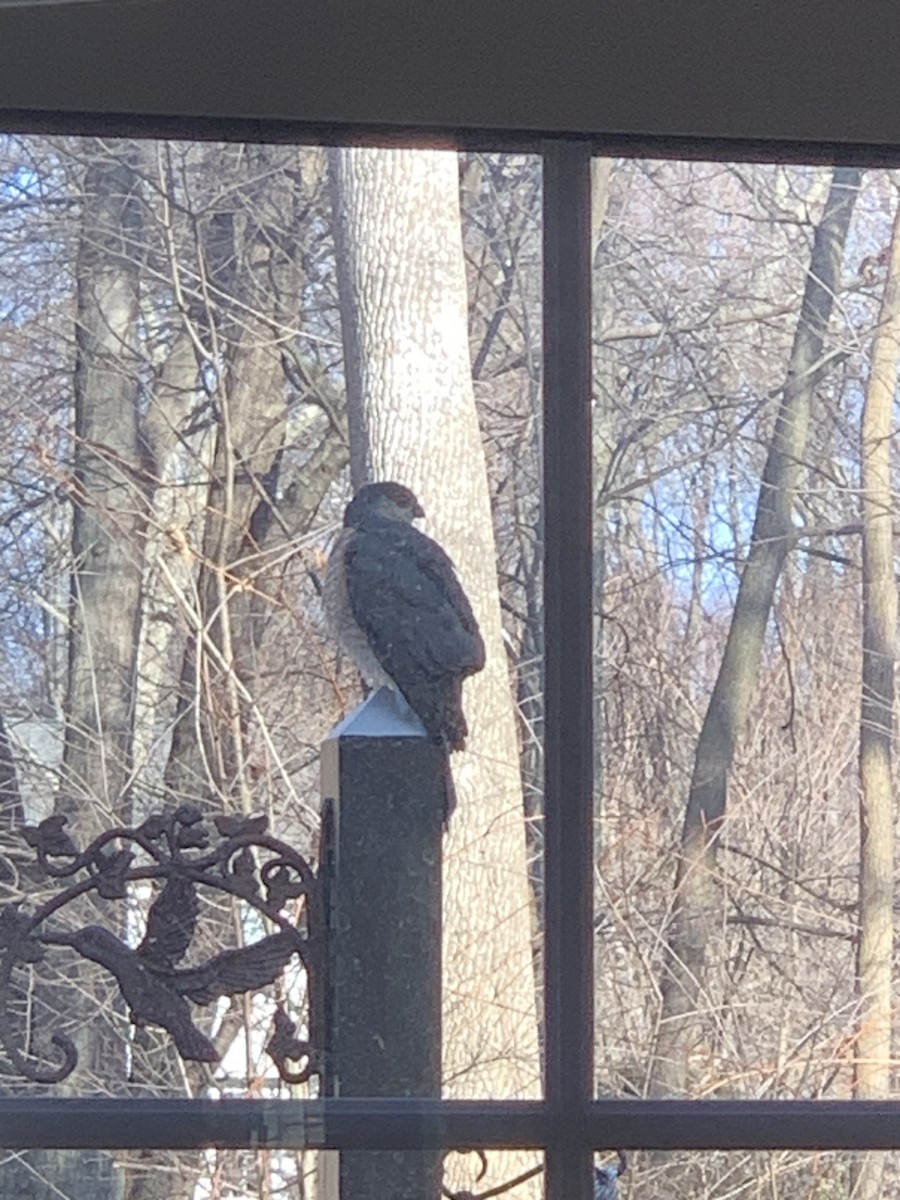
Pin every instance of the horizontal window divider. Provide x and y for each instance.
(385, 1124)
(340, 1123)
(745, 1124)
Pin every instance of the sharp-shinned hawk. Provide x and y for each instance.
(393, 599)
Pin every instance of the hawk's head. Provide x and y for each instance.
(391, 500)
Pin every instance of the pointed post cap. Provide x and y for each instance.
(385, 714)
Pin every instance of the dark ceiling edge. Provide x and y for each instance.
(245, 129)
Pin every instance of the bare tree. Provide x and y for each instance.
(695, 885)
(109, 492)
(872, 1060)
(184, 321)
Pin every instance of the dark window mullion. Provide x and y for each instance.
(568, 740)
(28, 1122)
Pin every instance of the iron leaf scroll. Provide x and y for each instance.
(181, 854)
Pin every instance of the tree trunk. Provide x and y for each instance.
(108, 527)
(875, 948)
(696, 890)
(109, 499)
(208, 746)
(109, 515)
(255, 280)
(412, 418)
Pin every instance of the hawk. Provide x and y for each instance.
(394, 601)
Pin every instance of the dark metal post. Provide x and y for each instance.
(568, 748)
(383, 785)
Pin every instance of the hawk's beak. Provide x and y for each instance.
(418, 511)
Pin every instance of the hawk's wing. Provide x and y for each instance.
(406, 598)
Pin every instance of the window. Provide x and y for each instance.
(569, 1123)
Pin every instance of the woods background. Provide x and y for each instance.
(195, 342)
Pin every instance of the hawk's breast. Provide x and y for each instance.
(339, 615)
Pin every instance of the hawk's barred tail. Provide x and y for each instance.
(452, 717)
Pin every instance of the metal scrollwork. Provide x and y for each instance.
(181, 854)
(606, 1180)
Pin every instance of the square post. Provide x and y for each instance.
(383, 791)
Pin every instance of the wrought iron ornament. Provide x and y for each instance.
(606, 1180)
(181, 854)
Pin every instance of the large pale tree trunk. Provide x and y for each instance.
(872, 1063)
(412, 418)
(696, 890)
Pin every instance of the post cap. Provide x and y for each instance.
(385, 714)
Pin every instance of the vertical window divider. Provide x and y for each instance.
(568, 733)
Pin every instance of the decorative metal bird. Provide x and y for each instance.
(155, 991)
(151, 999)
(393, 599)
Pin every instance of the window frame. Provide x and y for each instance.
(568, 1123)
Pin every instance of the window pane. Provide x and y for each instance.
(742, 1174)
(183, 323)
(46, 1174)
(735, 308)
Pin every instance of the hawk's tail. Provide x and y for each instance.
(452, 718)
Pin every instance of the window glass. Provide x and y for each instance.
(742, 1173)
(742, 394)
(183, 325)
(42, 1174)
